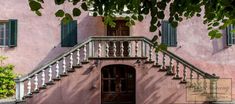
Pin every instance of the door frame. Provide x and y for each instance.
(130, 68)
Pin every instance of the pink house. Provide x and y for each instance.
(87, 62)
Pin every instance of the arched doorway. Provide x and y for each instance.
(118, 84)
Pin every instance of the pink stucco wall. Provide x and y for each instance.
(39, 39)
(84, 86)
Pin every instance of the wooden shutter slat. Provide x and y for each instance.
(12, 33)
(69, 34)
(229, 35)
(169, 36)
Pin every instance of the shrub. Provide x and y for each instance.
(7, 83)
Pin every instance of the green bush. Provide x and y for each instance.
(7, 83)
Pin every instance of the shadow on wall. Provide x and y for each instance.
(87, 26)
(76, 88)
(220, 44)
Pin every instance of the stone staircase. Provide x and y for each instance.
(96, 50)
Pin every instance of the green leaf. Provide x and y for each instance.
(59, 13)
(75, 2)
(38, 13)
(134, 17)
(153, 28)
(174, 23)
(35, 6)
(140, 18)
(233, 31)
(59, 2)
(160, 15)
(84, 6)
(67, 18)
(162, 47)
(215, 34)
(76, 12)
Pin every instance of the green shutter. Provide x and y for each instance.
(69, 34)
(169, 36)
(230, 35)
(12, 33)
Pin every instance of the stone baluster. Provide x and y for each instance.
(170, 69)
(36, 82)
(177, 71)
(85, 53)
(136, 48)
(157, 64)
(129, 48)
(114, 49)
(57, 70)
(107, 49)
(150, 52)
(64, 66)
(50, 74)
(78, 57)
(191, 74)
(43, 78)
(71, 60)
(122, 49)
(163, 61)
(184, 75)
(99, 49)
(29, 87)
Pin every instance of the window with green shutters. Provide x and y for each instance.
(230, 35)
(8, 33)
(69, 34)
(169, 34)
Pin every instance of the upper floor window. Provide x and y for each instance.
(69, 34)
(230, 35)
(3, 33)
(8, 33)
(169, 34)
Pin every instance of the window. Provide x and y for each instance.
(69, 34)
(230, 35)
(169, 34)
(8, 33)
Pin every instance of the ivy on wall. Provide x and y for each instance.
(7, 83)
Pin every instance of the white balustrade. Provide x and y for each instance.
(129, 48)
(71, 60)
(85, 53)
(136, 48)
(64, 66)
(43, 78)
(36, 82)
(29, 87)
(114, 49)
(107, 49)
(50, 74)
(99, 49)
(57, 70)
(122, 49)
(150, 52)
(78, 57)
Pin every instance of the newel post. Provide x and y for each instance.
(19, 89)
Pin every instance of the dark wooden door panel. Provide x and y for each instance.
(118, 85)
(119, 30)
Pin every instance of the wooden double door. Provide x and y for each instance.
(119, 30)
(118, 85)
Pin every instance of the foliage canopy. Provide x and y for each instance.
(217, 14)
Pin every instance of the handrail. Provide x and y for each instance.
(187, 64)
(182, 61)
